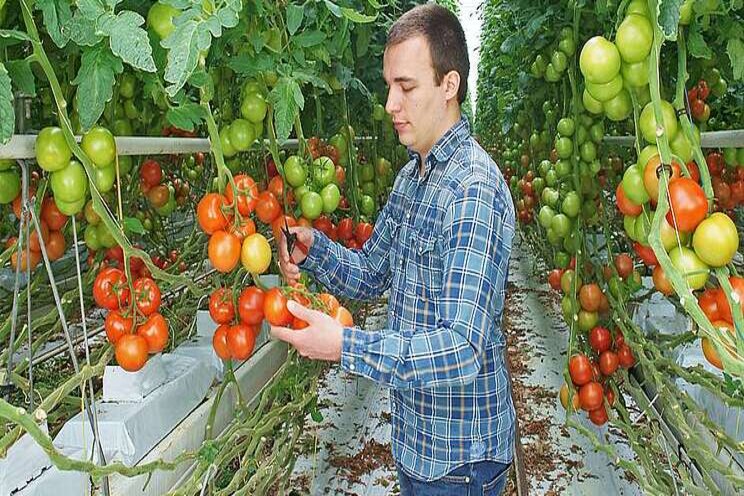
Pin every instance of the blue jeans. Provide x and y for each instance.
(472, 479)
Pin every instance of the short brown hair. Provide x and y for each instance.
(445, 36)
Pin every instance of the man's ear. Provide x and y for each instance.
(451, 82)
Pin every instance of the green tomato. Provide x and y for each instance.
(545, 216)
(740, 157)
(366, 173)
(300, 191)
(552, 237)
(52, 152)
(69, 184)
(559, 61)
(551, 74)
(122, 127)
(253, 107)
(563, 168)
(127, 85)
(635, 74)
(339, 141)
(367, 205)
(131, 110)
(105, 238)
(311, 205)
(670, 237)
(294, 171)
(125, 164)
(544, 167)
(682, 147)
(564, 147)
(571, 204)
(10, 186)
(567, 45)
(597, 132)
(91, 237)
(587, 320)
(91, 217)
(561, 259)
(729, 156)
(566, 127)
(588, 151)
(538, 184)
(561, 225)
(605, 91)
(648, 121)
(331, 196)
(694, 270)
(646, 154)
(6, 163)
(642, 227)
(160, 19)
(685, 12)
(378, 112)
(599, 60)
(251, 87)
(368, 188)
(639, 7)
(634, 38)
(99, 145)
(633, 185)
(228, 150)
(619, 107)
(241, 134)
(169, 206)
(384, 168)
(324, 171)
(550, 197)
(569, 308)
(591, 104)
(70, 208)
(104, 178)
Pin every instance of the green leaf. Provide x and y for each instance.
(184, 45)
(364, 35)
(200, 79)
(7, 114)
(128, 40)
(14, 34)
(133, 225)
(668, 19)
(735, 50)
(95, 81)
(287, 100)
(295, 13)
(186, 116)
(333, 8)
(306, 77)
(251, 66)
(56, 13)
(309, 38)
(23, 78)
(91, 9)
(83, 30)
(696, 43)
(357, 17)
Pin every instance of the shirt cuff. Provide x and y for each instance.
(352, 350)
(317, 253)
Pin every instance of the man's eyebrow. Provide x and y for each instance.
(402, 79)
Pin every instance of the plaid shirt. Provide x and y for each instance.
(441, 244)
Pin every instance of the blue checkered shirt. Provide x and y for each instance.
(441, 245)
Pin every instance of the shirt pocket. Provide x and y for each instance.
(428, 267)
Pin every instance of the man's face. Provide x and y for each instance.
(415, 103)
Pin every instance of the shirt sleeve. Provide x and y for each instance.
(478, 231)
(355, 274)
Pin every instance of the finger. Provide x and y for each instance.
(283, 253)
(283, 334)
(303, 313)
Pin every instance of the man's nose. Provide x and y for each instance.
(392, 105)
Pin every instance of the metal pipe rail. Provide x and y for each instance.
(711, 139)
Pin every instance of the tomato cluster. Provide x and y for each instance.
(557, 58)
(51, 223)
(239, 320)
(133, 325)
(727, 177)
(241, 133)
(716, 307)
(346, 231)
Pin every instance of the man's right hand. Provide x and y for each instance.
(289, 264)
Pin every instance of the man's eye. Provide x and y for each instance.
(407, 89)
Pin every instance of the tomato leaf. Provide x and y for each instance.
(22, 77)
(186, 116)
(668, 18)
(56, 13)
(735, 50)
(250, 66)
(309, 38)
(357, 17)
(83, 30)
(307, 77)
(95, 81)
(128, 40)
(133, 225)
(13, 34)
(7, 114)
(287, 100)
(696, 43)
(295, 13)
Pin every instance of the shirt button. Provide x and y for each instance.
(408, 215)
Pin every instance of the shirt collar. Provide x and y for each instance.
(444, 147)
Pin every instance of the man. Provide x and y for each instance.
(441, 245)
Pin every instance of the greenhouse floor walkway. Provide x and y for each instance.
(349, 451)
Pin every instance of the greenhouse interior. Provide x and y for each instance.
(371, 247)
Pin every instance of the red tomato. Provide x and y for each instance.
(34, 242)
(330, 302)
(645, 253)
(221, 307)
(240, 341)
(580, 369)
(608, 363)
(117, 325)
(600, 339)
(737, 284)
(219, 342)
(363, 232)
(591, 396)
(610, 396)
(151, 173)
(688, 205)
(624, 265)
(661, 283)
(708, 301)
(51, 215)
(155, 332)
(737, 192)
(55, 245)
(324, 225)
(247, 193)
(619, 339)
(624, 204)
(278, 224)
(245, 229)
(209, 213)
(589, 297)
(110, 289)
(715, 163)
(146, 296)
(343, 316)
(224, 251)
(598, 416)
(251, 305)
(345, 229)
(275, 308)
(625, 356)
(267, 207)
(131, 352)
(692, 168)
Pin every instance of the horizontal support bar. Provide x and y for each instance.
(712, 139)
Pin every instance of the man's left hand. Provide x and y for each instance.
(321, 340)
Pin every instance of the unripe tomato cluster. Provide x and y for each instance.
(241, 133)
(133, 325)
